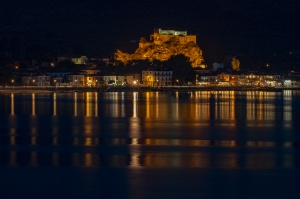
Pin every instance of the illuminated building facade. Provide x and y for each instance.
(161, 36)
(76, 79)
(93, 80)
(157, 78)
(36, 80)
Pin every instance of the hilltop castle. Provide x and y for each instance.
(162, 45)
(161, 36)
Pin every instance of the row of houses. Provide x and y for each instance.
(77, 80)
(247, 79)
(156, 78)
(92, 78)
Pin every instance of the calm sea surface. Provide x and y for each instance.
(202, 144)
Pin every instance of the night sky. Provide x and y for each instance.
(256, 28)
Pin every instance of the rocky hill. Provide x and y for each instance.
(163, 52)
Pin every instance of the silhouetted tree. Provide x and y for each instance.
(66, 65)
(181, 67)
(6, 74)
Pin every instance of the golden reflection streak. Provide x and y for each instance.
(250, 110)
(134, 105)
(116, 105)
(177, 105)
(135, 133)
(232, 105)
(231, 99)
(55, 131)
(135, 129)
(113, 108)
(177, 142)
(96, 104)
(225, 105)
(219, 104)
(33, 136)
(260, 107)
(227, 160)
(88, 142)
(33, 159)
(75, 104)
(207, 143)
(88, 104)
(197, 105)
(156, 105)
(172, 160)
(12, 104)
(147, 105)
(135, 161)
(54, 105)
(33, 140)
(13, 158)
(12, 134)
(33, 104)
(287, 108)
(12, 140)
(88, 160)
(204, 107)
(123, 104)
(270, 107)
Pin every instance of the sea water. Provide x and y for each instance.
(220, 144)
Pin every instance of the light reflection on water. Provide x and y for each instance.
(222, 129)
(204, 159)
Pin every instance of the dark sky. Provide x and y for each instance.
(252, 27)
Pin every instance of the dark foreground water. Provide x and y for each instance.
(150, 145)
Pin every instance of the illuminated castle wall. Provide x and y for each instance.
(161, 36)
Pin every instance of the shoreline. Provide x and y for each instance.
(21, 89)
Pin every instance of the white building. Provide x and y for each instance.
(36, 80)
(76, 79)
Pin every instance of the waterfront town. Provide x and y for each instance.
(169, 58)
